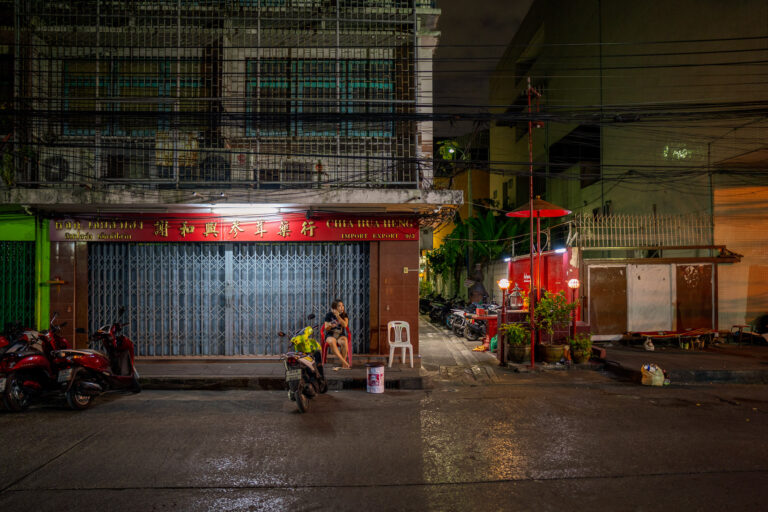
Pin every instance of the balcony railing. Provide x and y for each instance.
(616, 231)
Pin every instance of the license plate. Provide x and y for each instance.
(292, 375)
(2, 383)
(64, 375)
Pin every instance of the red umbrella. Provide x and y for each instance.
(536, 208)
(541, 208)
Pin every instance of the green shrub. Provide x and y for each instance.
(581, 341)
(516, 334)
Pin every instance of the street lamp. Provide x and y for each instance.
(574, 284)
(504, 285)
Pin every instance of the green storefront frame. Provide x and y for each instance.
(25, 255)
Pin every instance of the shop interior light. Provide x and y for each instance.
(244, 209)
(507, 259)
(560, 250)
(573, 284)
(504, 284)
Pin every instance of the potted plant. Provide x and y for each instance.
(518, 341)
(581, 347)
(553, 310)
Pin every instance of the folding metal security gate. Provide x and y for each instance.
(225, 299)
(17, 284)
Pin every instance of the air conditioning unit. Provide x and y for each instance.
(66, 165)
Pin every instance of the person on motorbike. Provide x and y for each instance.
(336, 322)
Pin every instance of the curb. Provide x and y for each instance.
(695, 376)
(272, 383)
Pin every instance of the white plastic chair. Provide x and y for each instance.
(395, 330)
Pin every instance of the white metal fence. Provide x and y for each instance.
(642, 230)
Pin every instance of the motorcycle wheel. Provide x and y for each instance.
(302, 402)
(77, 401)
(136, 387)
(14, 397)
(323, 386)
(470, 334)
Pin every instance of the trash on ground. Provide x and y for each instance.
(652, 375)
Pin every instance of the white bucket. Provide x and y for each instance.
(375, 377)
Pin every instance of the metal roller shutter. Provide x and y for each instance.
(225, 299)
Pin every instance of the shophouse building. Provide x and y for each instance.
(221, 168)
(647, 122)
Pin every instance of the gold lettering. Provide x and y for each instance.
(161, 228)
(260, 228)
(210, 229)
(185, 229)
(236, 229)
(284, 230)
(308, 228)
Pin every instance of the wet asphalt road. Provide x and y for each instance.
(573, 440)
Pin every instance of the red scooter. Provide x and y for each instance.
(28, 367)
(90, 372)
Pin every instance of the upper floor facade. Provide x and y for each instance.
(254, 98)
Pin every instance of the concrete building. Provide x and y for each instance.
(222, 168)
(651, 130)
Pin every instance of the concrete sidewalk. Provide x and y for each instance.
(446, 357)
(258, 374)
(443, 356)
(744, 364)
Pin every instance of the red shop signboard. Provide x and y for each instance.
(177, 227)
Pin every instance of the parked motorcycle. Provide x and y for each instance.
(89, 373)
(11, 336)
(29, 369)
(304, 372)
(476, 329)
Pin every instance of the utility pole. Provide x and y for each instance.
(532, 297)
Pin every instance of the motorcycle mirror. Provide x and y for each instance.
(281, 334)
(311, 317)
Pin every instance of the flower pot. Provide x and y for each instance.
(551, 353)
(580, 356)
(518, 353)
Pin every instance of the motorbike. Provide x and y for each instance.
(29, 369)
(12, 336)
(304, 372)
(457, 321)
(476, 329)
(89, 373)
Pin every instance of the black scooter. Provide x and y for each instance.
(304, 372)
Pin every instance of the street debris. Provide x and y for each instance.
(652, 375)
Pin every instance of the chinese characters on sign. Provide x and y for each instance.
(209, 228)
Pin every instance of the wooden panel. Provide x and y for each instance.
(607, 300)
(398, 291)
(374, 297)
(81, 295)
(63, 295)
(649, 298)
(694, 296)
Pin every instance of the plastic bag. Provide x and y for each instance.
(652, 375)
(494, 342)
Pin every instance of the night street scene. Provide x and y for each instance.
(396, 255)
